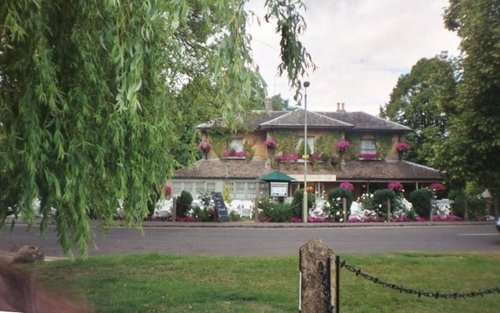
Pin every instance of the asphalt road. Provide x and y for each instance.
(243, 241)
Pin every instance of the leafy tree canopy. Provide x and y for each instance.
(418, 101)
(280, 104)
(472, 149)
(93, 98)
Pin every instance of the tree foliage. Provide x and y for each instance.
(418, 101)
(93, 104)
(280, 104)
(472, 149)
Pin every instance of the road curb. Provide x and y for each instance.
(299, 225)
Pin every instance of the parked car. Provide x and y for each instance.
(498, 224)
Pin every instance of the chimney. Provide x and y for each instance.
(343, 107)
(338, 106)
(268, 104)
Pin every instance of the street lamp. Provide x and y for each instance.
(305, 157)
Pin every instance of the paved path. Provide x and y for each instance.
(263, 239)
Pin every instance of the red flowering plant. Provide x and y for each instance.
(347, 185)
(233, 153)
(292, 157)
(281, 158)
(240, 154)
(436, 187)
(270, 143)
(204, 146)
(402, 147)
(342, 145)
(368, 155)
(395, 186)
(316, 158)
(168, 190)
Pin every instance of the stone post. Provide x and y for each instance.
(388, 210)
(316, 257)
(344, 207)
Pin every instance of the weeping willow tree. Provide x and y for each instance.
(89, 119)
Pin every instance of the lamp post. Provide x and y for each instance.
(305, 157)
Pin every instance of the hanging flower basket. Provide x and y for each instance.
(347, 185)
(270, 144)
(395, 186)
(342, 145)
(437, 187)
(204, 146)
(402, 147)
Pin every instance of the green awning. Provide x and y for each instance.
(276, 176)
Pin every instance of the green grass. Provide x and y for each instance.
(165, 283)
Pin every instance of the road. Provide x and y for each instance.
(244, 241)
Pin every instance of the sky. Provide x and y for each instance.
(361, 48)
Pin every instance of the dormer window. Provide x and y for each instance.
(368, 149)
(368, 146)
(236, 144)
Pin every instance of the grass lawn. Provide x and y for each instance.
(166, 283)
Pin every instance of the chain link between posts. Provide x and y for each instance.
(419, 293)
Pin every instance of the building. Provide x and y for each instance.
(354, 147)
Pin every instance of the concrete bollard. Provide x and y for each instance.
(316, 294)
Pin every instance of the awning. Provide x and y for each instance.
(276, 176)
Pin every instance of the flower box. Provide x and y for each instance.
(369, 156)
(234, 155)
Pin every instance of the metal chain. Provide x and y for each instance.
(326, 287)
(420, 293)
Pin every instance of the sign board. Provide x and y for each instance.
(279, 189)
(220, 207)
(315, 178)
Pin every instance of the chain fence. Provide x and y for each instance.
(419, 293)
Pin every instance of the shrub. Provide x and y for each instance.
(204, 214)
(475, 206)
(280, 213)
(367, 201)
(296, 207)
(335, 197)
(183, 203)
(234, 216)
(274, 212)
(421, 201)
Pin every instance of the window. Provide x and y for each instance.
(310, 143)
(368, 149)
(239, 191)
(368, 146)
(236, 144)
